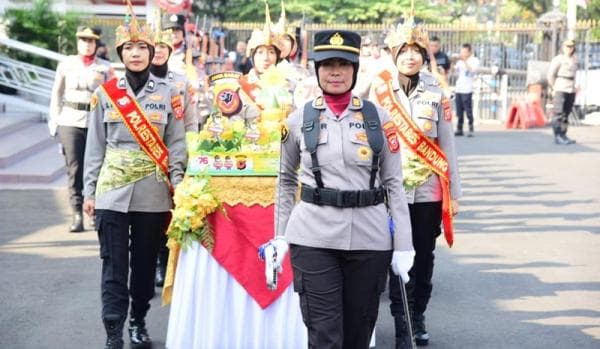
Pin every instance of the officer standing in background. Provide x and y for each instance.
(429, 167)
(76, 79)
(176, 23)
(561, 78)
(134, 157)
(159, 68)
(341, 247)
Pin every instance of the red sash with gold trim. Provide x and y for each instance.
(250, 90)
(138, 125)
(426, 150)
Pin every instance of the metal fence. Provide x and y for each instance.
(503, 49)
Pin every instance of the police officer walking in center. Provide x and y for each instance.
(338, 233)
(135, 154)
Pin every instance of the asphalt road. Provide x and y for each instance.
(524, 271)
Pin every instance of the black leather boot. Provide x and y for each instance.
(421, 335)
(563, 140)
(138, 334)
(77, 225)
(114, 333)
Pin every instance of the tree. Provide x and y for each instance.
(322, 11)
(41, 27)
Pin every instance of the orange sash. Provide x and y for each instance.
(138, 125)
(426, 150)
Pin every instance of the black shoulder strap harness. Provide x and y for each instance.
(311, 130)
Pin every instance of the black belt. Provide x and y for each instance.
(342, 198)
(78, 106)
(566, 77)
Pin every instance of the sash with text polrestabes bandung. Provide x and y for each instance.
(426, 150)
(139, 126)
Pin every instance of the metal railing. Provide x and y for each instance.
(26, 77)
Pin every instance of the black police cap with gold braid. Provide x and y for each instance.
(336, 44)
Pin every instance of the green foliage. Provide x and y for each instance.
(319, 11)
(43, 28)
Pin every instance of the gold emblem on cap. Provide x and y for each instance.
(336, 40)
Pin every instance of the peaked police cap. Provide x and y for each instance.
(336, 44)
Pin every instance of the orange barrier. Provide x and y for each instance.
(525, 114)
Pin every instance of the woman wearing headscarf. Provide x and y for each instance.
(344, 153)
(423, 117)
(135, 155)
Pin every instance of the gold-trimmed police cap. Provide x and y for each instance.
(131, 30)
(85, 32)
(407, 33)
(336, 44)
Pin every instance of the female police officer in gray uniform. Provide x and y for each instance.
(340, 241)
(430, 193)
(135, 153)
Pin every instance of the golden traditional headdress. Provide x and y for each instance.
(131, 30)
(162, 36)
(265, 37)
(282, 28)
(407, 33)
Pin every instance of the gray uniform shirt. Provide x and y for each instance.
(186, 91)
(107, 130)
(75, 83)
(345, 159)
(561, 74)
(424, 105)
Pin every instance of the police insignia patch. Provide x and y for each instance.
(362, 137)
(177, 106)
(427, 126)
(447, 109)
(155, 98)
(228, 101)
(93, 102)
(285, 132)
(391, 134)
(364, 153)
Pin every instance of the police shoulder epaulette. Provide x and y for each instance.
(319, 101)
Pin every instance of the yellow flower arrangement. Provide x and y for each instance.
(194, 201)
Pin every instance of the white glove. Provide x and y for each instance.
(280, 247)
(402, 261)
(52, 128)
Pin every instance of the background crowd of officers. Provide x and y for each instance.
(179, 65)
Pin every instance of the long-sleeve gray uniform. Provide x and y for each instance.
(424, 194)
(424, 105)
(107, 130)
(345, 158)
(186, 91)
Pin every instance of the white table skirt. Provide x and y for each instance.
(211, 310)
